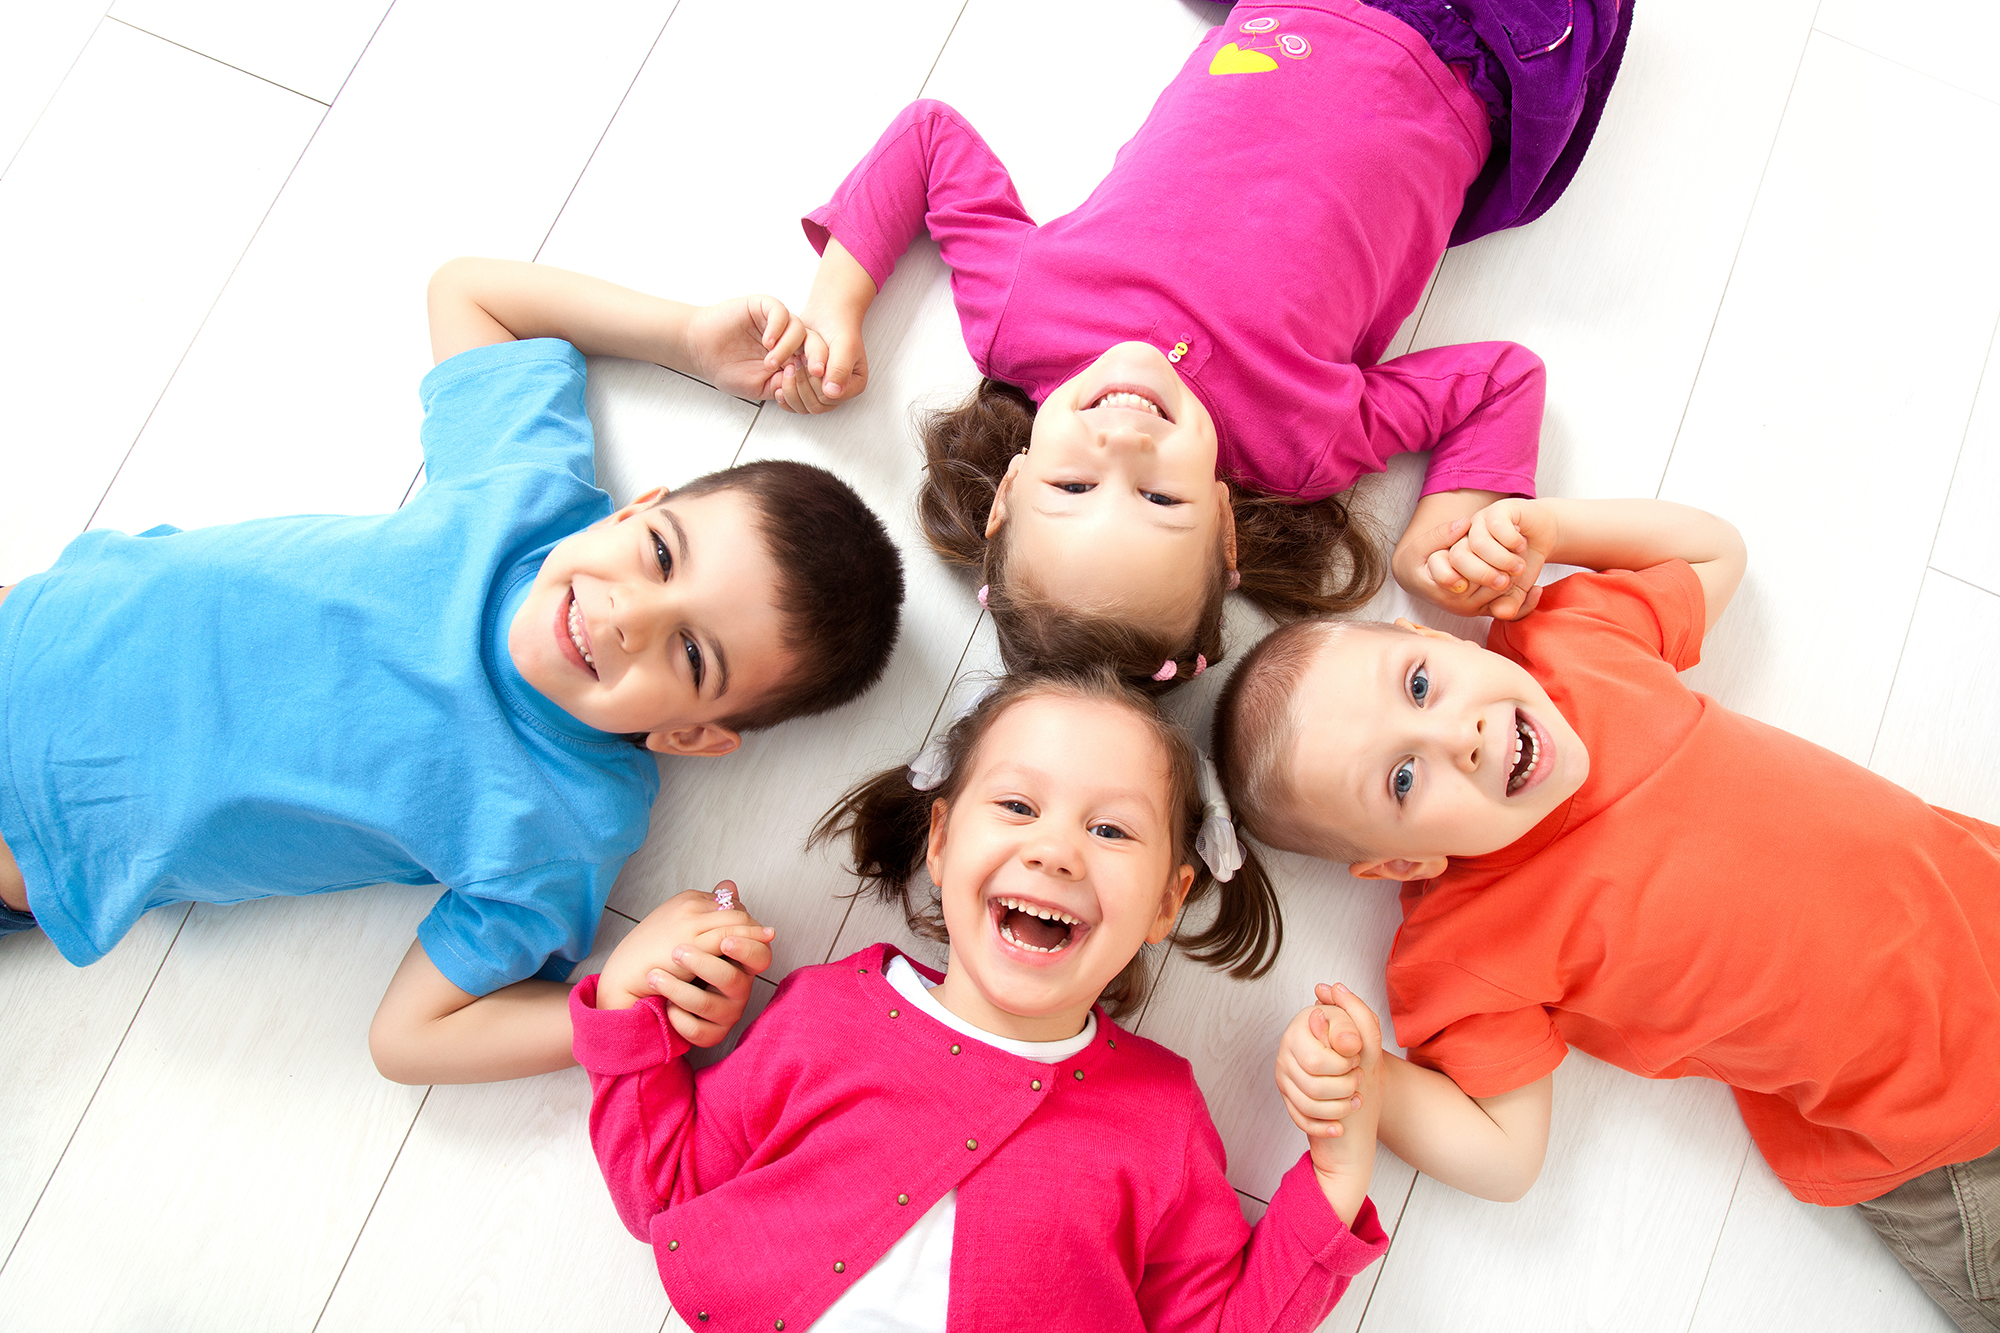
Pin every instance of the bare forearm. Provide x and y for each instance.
(841, 286)
(1492, 1150)
(516, 1031)
(474, 302)
(1633, 534)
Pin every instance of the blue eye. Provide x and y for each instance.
(1404, 778)
(1420, 685)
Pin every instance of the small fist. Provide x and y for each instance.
(697, 955)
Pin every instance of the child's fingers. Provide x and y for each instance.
(697, 1031)
(783, 340)
(1362, 1016)
(714, 1005)
(1481, 572)
(1495, 550)
(815, 354)
(713, 968)
(1438, 567)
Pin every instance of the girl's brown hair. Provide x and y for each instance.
(1296, 560)
(887, 823)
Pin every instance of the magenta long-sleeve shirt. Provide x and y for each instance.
(1091, 1193)
(1275, 220)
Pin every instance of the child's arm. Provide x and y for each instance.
(1496, 554)
(643, 1104)
(1491, 1147)
(739, 345)
(427, 1030)
(1330, 1066)
(835, 362)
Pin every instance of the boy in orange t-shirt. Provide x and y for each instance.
(1594, 855)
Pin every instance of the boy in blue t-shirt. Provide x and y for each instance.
(461, 692)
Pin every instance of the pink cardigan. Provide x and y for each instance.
(1091, 1193)
(1275, 218)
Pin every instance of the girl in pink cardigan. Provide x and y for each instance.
(985, 1148)
(1184, 374)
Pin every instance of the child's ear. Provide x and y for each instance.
(1404, 622)
(1228, 524)
(934, 848)
(639, 504)
(1400, 868)
(996, 517)
(707, 740)
(1176, 893)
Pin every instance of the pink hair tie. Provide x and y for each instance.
(1235, 579)
(982, 594)
(1167, 670)
(1200, 664)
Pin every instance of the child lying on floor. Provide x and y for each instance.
(1594, 855)
(892, 1148)
(463, 692)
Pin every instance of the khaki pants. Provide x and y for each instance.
(1944, 1227)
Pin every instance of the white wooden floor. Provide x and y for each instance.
(1772, 292)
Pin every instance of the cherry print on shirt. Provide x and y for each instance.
(1252, 57)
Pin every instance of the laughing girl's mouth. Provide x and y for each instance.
(1527, 753)
(1036, 928)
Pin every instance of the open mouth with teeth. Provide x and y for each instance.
(578, 635)
(1527, 753)
(1133, 400)
(1035, 927)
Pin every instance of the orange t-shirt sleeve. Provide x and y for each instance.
(1662, 607)
(1481, 1039)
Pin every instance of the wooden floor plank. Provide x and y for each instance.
(142, 184)
(307, 48)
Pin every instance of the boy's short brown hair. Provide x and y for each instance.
(1257, 728)
(840, 584)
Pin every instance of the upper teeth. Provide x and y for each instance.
(1524, 739)
(1135, 401)
(576, 629)
(1045, 913)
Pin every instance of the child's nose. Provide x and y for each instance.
(1469, 743)
(1053, 856)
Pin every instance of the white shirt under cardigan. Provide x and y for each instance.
(909, 1288)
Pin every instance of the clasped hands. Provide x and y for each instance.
(696, 956)
(1484, 565)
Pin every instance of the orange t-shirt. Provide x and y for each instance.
(1719, 898)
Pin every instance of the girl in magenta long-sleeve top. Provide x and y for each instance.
(986, 1149)
(1183, 373)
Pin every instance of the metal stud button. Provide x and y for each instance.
(895, 1013)
(839, 1267)
(780, 1326)
(954, 1048)
(972, 1145)
(902, 1199)
(673, 1245)
(1079, 1076)
(702, 1315)
(1035, 1083)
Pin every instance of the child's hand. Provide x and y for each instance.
(1488, 564)
(742, 346)
(698, 957)
(1330, 1074)
(831, 368)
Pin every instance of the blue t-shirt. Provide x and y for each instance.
(295, 705)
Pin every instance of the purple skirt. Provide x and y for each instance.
(1544, 69)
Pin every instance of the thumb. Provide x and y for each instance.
(1363, 1017)
(841, 356)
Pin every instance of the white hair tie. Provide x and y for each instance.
(932, 765)
(1217, 840)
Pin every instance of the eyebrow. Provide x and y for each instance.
(714, 644)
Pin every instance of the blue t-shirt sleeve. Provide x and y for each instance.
(538, 923)
(510, 402)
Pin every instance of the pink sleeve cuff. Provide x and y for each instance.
(621, 1041)
(1312, 1224)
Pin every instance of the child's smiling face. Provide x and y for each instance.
(1418, 746)
(1056, 864)
(1116, 503)
(660, 619)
